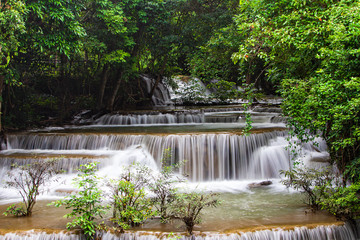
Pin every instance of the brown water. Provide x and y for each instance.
(237, 212)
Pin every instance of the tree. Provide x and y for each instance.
(28, 180)
(12, 25)
(86, 205)
(311, 48)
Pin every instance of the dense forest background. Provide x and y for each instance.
(59, 57)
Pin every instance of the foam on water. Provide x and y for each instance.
(324, 232)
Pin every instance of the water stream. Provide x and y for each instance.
(219, 158)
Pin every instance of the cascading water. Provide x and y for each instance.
(208, 156)
(161, 94)
(345, 232)
(184, 117)
(149, 119)
(218, 157)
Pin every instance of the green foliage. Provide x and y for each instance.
(309, 181)
(352, 171)
(100, 48)
(313, 52)
(223, 90)
(27, 180)
(200, 25)
(324, 105)
(86, 204)
(131, 206)
(343, 202)
(16, 211)
(213, 60)
(12, 25)
(325, 190)
(54, 27)
(188, 207)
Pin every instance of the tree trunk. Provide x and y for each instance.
(158, 77)
(104, 80)
(2, 134)
(2, 77)
(110, 105)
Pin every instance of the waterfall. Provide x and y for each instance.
(133, 119)
(208, 156)
(161, 96)
(186, 117)
(217, 157)
(345, 232)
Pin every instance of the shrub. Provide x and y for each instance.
(131, 207)
(326, 191)
(343, 202)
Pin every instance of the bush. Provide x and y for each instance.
(131, 207)
(326, 191)
(343, 202)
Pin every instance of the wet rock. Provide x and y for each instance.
(259, 184)
(320, 158)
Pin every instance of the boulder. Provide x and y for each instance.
(260, 184)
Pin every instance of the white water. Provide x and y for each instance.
(161, 96)
(208, 156)
(215, 162)
(332, 232)
(133, 119)
(181, 117)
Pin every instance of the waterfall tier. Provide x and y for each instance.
(345, 232)
(218, 158)
(207, 156)
(185, 117)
